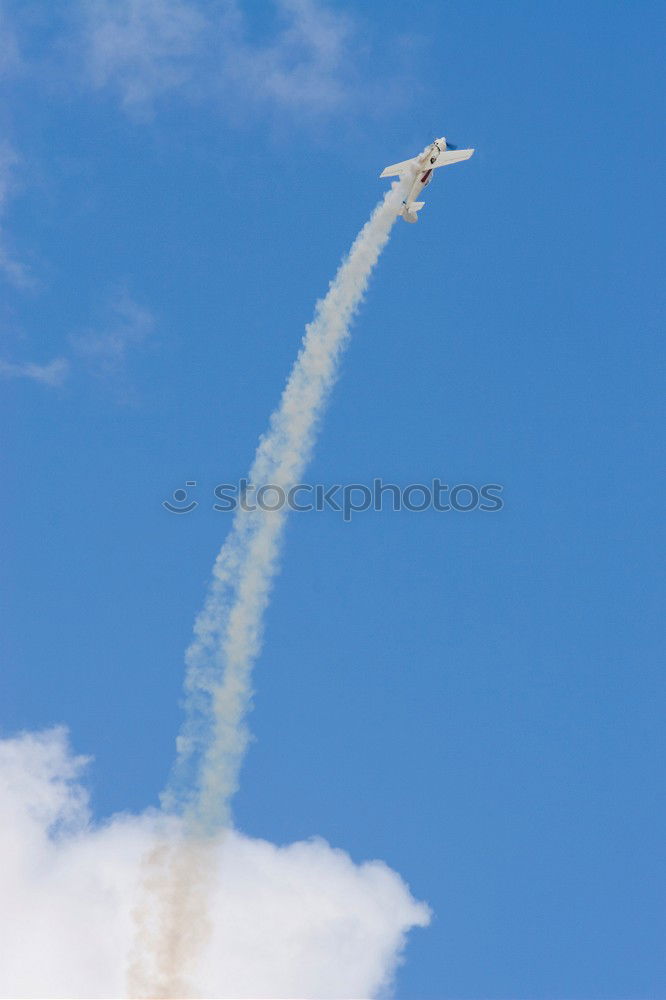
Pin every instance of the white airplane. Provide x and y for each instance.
(439, 154)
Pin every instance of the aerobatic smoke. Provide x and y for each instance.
(227, 641)
(227, 632)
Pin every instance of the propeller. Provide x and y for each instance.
(449, 145)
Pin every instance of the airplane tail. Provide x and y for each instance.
(408, 212)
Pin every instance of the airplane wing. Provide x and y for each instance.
(450, 156)
(396, 169)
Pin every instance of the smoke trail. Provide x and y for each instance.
(228, 631)
(171, 918)
(171, 921)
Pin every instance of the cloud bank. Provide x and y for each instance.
(283, 921)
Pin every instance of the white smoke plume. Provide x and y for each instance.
(296, 921)
(228, 631)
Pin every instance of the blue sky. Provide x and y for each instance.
(475, 698)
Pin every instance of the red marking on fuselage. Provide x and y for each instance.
(426, 176)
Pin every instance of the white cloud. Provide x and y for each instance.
(145, 49)
(105, 350)
(53, 373)
(293, 921)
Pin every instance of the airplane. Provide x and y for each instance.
(436, 155)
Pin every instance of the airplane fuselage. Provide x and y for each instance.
(422, 178)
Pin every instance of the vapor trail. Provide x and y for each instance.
(228, 631)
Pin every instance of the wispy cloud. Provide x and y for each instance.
(102, 352)
(14, 271)
(145, 49)
(309, 64)
(105, 350)
(53, 373)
